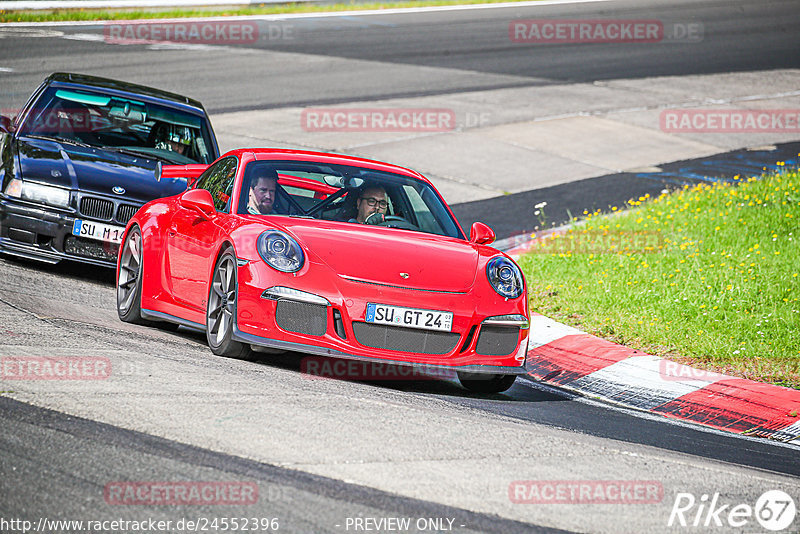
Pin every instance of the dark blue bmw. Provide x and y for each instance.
(81, 158)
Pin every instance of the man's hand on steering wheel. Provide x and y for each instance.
(389, 221)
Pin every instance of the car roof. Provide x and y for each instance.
(117, 85)
(324, 157)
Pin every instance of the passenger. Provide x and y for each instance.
(173, 138)
(372, 200)
(262, 192)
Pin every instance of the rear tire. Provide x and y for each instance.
(486, 383)
(221, 310)
(129, 279)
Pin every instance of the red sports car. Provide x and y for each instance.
(329, 255)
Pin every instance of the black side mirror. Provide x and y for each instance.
(6, 125)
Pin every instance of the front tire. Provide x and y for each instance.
(129, 279)
(486, 383)
(221, 310)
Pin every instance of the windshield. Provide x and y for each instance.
(344, 193)
(126, 125)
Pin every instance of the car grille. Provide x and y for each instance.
(103, 209)
(497, 340)
(97, 208)
(404, 339)
(125, 212)
(90, 248)
(302, 317)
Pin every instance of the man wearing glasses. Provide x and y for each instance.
(372, 200)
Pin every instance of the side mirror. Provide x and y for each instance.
(6, 125)
(199, 200)
(480, 234)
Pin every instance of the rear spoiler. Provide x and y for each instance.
(189, 172)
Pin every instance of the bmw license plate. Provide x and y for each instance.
(409, 317)
(98, 231)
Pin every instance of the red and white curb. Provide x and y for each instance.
(571, 359)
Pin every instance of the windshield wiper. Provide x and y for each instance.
(130, 152)
(142, 154)
(58, 139)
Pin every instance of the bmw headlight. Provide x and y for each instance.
(14, 188)
(280, 251)
(505, 277)
(43, 194)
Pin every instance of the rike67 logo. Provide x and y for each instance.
(774, 510)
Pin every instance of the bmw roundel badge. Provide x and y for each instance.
(118, 190)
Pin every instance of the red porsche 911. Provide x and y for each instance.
(329, 255)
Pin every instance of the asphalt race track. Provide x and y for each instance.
(325, 453)
(406, 55)
(172, 411)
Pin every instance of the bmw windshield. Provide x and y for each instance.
(126, 125)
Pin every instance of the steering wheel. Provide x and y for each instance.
(390, 221)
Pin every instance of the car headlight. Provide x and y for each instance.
(54, 196)
(505, 277)
(14, 188)
(280, 251)
(43, 194)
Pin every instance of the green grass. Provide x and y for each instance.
(262, 9)
(708, 276)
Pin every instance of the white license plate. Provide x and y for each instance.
(409, 317)
(98, 231)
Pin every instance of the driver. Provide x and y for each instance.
(262, 192)
(371, 200)
(173, 138)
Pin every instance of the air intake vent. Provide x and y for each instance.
(497, 340)
(468, 339)
(302, 317)
(338, 324)
(405, 339)
(90, 248)
(97, 208)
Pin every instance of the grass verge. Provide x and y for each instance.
(706, 276)
(229, 11)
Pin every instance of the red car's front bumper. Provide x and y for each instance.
(327, 317)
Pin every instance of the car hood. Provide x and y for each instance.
(390, 256)
(93, 170)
